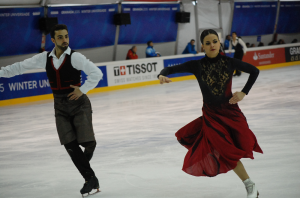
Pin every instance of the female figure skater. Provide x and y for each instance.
(220, 137)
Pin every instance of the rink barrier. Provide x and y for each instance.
(16, 101)
(34, 86)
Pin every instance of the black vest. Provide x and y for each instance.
(238, 48)
(60, 79)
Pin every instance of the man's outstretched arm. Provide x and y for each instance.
(36, 62)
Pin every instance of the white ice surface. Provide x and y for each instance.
(138, 156)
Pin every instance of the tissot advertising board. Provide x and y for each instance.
(133, 72)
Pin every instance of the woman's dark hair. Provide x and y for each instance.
(148, 43)
(58, 27)
(207, 32)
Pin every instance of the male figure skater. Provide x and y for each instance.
(240, 49)
(73, 111)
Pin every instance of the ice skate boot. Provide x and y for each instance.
(251, 189)
(89, 185)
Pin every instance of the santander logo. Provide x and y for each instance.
(263, 56)
(255, 57)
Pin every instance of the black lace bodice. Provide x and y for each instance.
(214, 76)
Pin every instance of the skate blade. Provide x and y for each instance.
(95, 191)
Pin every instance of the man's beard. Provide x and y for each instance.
(63, 48)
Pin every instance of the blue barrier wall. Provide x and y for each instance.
(33, 84)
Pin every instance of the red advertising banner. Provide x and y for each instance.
(265, 57)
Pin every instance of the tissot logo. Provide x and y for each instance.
(123, 70)
(120, 70)
(135, 69)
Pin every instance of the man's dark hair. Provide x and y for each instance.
(207, 32)
(192, 40)
(233, 33)
(148, 43)
(57, 27)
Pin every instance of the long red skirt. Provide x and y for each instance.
(217, 141)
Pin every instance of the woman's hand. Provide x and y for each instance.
(164, 79)
(237, 97)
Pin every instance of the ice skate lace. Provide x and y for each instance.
(215, 75)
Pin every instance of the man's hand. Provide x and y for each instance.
(164, 79)
(237, 97)
(75, 94)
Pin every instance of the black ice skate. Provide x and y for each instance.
(89, 185)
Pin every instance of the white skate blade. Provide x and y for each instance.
(93, 192)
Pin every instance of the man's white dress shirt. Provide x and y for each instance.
(78, 61)
(234, 43)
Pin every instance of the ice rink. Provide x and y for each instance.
(137, 154)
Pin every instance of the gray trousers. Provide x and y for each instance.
(73, 119)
